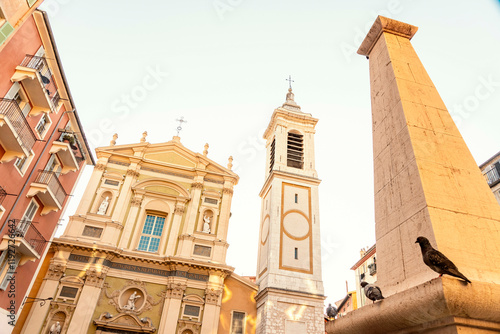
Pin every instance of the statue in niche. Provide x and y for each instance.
(55, 328)
(131, 301)
(103, 207)
(206, 224)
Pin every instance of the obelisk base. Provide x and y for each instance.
(442, 305)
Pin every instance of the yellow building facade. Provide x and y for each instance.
(145, 251)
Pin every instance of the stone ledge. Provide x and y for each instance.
(384, 24)
(437, 305)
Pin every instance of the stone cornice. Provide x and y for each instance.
(291, 116)
(288, 176)
(143, 257)
(383, 24)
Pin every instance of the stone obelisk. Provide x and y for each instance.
(426, 184)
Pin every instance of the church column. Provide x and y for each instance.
(171, 307)
(124, 198)
(100, 167)
(50, 284)
(174, 232)
(196, 189)
(211, 311)
(87, 301)
(225, 210)
(135, 204)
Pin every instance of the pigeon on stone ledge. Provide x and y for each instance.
(436, 260)
(331, 311)
(372, 292)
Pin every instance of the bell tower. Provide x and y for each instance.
(289, 257)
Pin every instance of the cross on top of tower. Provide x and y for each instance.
(290, 81)
(179, 127)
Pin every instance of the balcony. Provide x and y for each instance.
(65, 149)
(493, 175)
(16, 136)
(39, 83)
(48, 190)
(26, 238)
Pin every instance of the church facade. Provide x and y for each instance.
(145, 251)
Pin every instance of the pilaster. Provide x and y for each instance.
(87, 301)
(171, 307)
(173, 238)
(39, 311)
(211, 311)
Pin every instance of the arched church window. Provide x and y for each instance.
(151, 233)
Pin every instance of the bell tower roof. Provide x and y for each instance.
(290, 103)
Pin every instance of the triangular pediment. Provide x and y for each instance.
(171, 157)
(171, 153)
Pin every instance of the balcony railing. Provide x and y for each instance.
(40, 64)
(3, 194)
(26, 230)
(51, 180)
(11, 110)
(493, 175)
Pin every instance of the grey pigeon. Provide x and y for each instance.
(331, 311)
(372, 292)
(436, 260)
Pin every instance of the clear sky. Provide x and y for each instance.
(136, 66)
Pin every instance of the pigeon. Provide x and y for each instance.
(372, 292)
(331, 311)
(436, 260)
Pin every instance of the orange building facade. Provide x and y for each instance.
(43, 149)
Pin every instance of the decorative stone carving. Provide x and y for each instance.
(176, 290)
(144, 135)
(131, 298)
(104, 206)
(212, 296)
(136, 201)
(189, 327)
(59, 312)
(179, 210)
(113, 141)
(126, 322)
(230, 162)
(206, 224)
(100, 167)
(94, 278)
(227, 191)
(55, 272)
(132, 172)
(197, 185)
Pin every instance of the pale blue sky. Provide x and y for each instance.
(227, 61)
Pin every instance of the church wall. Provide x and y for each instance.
(240, 297)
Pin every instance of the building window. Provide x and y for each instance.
(238, 323)
(273, 150)
(22, 101)
(43, 125)
(23, 163)
(8, 264)
(151, 233)
(295, 150)
(296, 198)
(296, 253)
